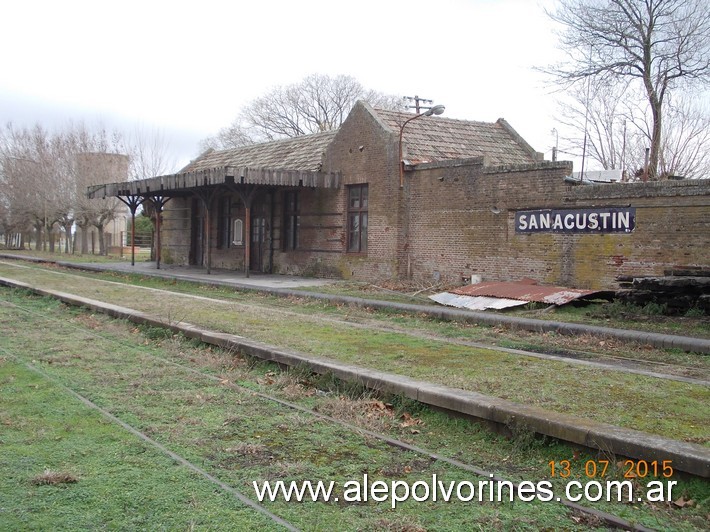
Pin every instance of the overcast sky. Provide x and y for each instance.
(186, 68)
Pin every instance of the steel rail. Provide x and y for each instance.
(176, 457)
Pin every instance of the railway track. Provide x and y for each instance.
(607, 361)
(58, 324)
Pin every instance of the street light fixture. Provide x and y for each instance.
(436, 110)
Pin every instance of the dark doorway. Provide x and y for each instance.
(259, 235)
(196, 233)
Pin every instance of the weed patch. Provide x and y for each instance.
(52, 478)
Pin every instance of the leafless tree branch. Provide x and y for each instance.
(316, 104)
(662, 44)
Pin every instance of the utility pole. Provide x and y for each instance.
(557, 142)
(417, 100)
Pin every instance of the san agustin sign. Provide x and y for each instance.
(593, 220)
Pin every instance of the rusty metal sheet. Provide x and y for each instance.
(474, 302)
(524, 290)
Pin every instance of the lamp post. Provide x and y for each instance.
(436, 110)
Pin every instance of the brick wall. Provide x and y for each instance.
(320, 234)
(462, 224)
(672, 230)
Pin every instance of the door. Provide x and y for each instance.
(258, 239)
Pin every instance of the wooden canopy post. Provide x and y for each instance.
(132, 202)
(158, 202)
(246, 193)
(207, 198)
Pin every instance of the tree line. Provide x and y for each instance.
(44, 176)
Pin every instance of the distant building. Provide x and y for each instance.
(102, 168)
(601, 176)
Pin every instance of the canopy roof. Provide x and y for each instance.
(289, 163)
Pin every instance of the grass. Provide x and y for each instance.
(672, 409)
(650, 317)
(64, 467)
(52, 478)
(232, 434)
(584, 347)
(605, 313)
(142, 255)
(236, 436)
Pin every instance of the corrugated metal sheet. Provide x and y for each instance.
(475, 303)
(525, 290)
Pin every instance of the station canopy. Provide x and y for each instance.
(294, 162)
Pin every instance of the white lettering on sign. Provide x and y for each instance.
(595, 220)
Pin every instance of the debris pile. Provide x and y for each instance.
(677, 290)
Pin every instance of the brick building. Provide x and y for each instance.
(389, 196)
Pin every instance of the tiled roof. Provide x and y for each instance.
(436, 138)
(299, 153)
(427, 139)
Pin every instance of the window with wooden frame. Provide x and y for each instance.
(291, 220)
(357, 218)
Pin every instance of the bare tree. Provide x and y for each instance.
(617, 126)
(594, 118)
(685, 150)
(96, 156)
(26, 188)
(65, 188)
(661, 44)
(44, 177)
(318, 103)
(232, 136)
(148, 152)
